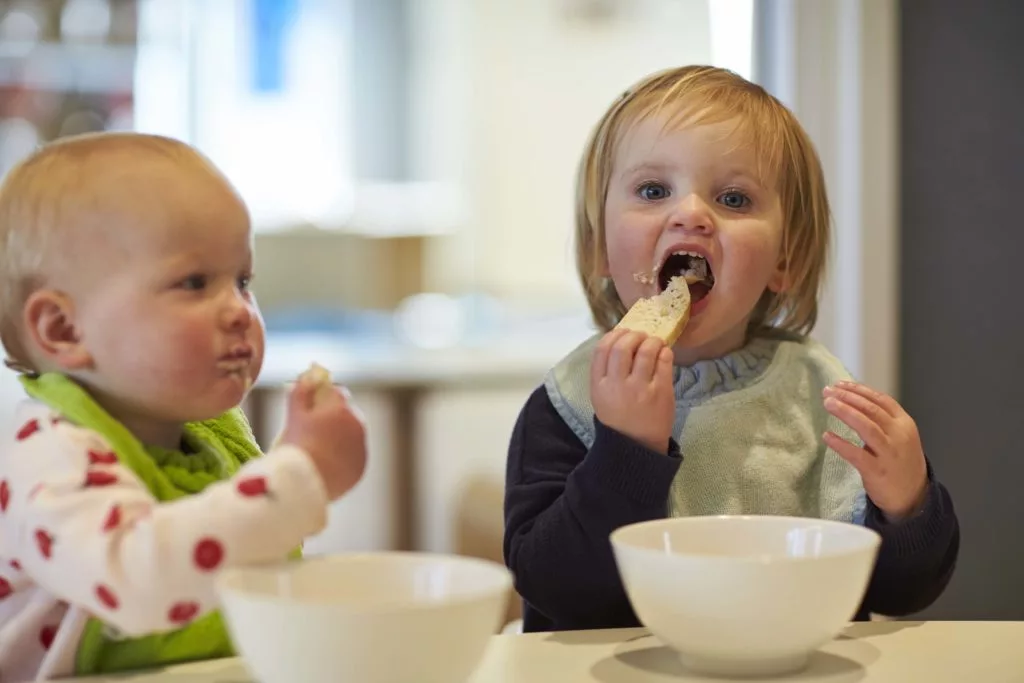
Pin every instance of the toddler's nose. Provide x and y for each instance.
(691, 213)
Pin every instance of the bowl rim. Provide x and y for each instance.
(873, 538)
(224, 580)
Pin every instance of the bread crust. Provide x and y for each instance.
(664, 315)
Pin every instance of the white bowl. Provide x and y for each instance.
(375, 617)
(745, 595)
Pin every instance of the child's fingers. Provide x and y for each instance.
(859, 458)
(647, 358)
(620, 360)
(872, 410)
(884, 401)
(329, 396)
(665, 359)
(866, 429)
(599, 363)
(301, 396)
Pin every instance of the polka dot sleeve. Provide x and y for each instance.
(84, 528)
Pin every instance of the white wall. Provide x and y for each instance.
(835, 64)
(507, 93)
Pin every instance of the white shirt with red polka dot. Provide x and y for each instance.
(81, 535)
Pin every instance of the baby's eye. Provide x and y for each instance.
(652, 192)
(734, 199)
(194, 283)
(244, 282)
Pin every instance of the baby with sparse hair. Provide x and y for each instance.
(133, 477)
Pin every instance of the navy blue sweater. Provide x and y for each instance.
(562, 502)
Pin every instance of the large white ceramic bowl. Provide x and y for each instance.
(745, 595)
(374, 618)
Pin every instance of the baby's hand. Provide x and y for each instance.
(892, 462)
(323, 423)
(631, 387)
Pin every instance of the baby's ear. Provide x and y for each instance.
(51, 332)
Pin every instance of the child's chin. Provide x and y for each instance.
(694, 345)
(231, 401)
(211, 406)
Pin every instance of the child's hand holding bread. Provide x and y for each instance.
(631, 372)
(323, 423)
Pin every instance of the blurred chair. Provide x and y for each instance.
(479, 526)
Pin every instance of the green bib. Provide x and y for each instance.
(219, 447)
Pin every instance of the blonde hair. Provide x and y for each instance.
(52, 192)
(696, 95)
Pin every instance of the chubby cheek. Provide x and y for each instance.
(630, 251)
(124, 338)
(752, 265)
(257, 336)
(188, 344)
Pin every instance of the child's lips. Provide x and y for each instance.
(237, 360)
(237, 354)
(697, 307)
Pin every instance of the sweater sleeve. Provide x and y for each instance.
(917, 556)
(562, 502)
(84, 528)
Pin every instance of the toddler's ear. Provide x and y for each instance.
(779, 282)
(49, 323)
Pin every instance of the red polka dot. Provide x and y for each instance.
(16, 565)
(102, 458)
(113, 519)
(106, 597)
(183, 612)
(5, 495)
(27, 430)
(208, 554)
(5, 588)
(253, 487)
(46, 636)
(100, 478)
(44, 541)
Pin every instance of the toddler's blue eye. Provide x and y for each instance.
(734, 200)
(652, 192)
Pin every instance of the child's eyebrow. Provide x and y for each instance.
(646, 166)
(742, 174)
(731, 173)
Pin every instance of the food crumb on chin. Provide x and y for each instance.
(644, 278)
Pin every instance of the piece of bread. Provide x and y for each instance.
(664, 315)
(318, 376)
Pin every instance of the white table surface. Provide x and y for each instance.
(896, 652)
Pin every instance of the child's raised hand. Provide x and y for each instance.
(323, 423)
(631, 387)
(892, 462)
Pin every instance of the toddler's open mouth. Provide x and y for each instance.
(693, 267)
